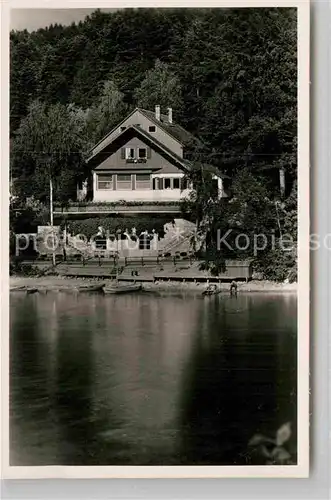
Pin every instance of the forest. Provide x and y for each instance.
(230, 76)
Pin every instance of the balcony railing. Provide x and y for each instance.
(141, 207)
(136, 160)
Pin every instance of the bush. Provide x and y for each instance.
(277, 265)
(17, 267)
(89, 227)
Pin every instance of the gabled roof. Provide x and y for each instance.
(173, 129)
(122, 137)
(185, 165)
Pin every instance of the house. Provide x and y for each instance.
(143, 159)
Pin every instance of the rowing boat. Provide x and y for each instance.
(211, 291)
(116, 289)
(90, 288)
(26, 289)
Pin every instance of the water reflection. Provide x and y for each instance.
(241, 381)
(144, 379)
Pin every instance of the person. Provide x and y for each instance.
(233, 288)
(211, 288)
(100, 231)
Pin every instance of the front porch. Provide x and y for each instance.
(139, 186)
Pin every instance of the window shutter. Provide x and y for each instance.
(123, 153)
(149, 153)
(161, 183)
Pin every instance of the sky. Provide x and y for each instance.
(33, 19)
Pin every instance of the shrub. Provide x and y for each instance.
(17, 267)
(277, 265)
(89, 227)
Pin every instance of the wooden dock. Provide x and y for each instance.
(148, 272)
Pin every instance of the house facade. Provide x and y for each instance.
(143, 160)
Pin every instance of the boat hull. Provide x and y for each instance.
(122, 289)
(208, 293)
(92, 288)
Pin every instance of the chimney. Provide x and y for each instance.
(170, 115)
(158, 113)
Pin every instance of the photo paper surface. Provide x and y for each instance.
(157, 281)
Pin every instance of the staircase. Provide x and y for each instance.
(178, 238)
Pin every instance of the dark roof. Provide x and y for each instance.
(173, 129)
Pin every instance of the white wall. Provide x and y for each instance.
(109, 195)
(143, 195)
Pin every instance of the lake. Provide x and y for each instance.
(149, 379)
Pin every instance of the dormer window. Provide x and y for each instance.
(152, 128)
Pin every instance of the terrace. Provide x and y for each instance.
(116, 208)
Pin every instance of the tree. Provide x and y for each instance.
(249, 225)
(251, 112)
(24, 56)
(208, 211)
(160, 87)
(108, 111)
(49, 144)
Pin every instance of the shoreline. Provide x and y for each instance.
(65, 284)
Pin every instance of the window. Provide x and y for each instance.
(130, 153)
(144, 242)
(167, 183)
(122, 129)
(124, 181)
(105, 181)
(176, 182)
(152, 128)
(143, 177)
(101, 243)
(143, 181)
(142, 153)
